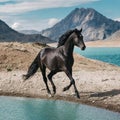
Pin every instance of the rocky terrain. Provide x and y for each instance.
(95, 25)
(114, 37)
(112, 41)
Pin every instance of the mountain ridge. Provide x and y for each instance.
(95, 25)
(114, 36)
(28, 32)
(8, 34)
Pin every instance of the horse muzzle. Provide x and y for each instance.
(83, 48)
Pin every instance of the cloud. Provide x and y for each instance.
(15, 25)
(3, 0)
(52, 22)
(37, 24)
(22, 6)
(22, 24)
(117, 19)
(11, 12)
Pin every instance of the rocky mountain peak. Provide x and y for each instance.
(95, 25)
(4, 28)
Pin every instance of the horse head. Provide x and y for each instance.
(78, 39)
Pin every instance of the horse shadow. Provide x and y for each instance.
(111, 93)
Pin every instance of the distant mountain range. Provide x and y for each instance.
(95, 25)
(7, 34)
(29, 32)
(115, 36)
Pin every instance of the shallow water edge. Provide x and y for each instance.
(20, 108)
(83, 100)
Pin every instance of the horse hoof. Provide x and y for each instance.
(64, 89)
(54, 92)
(78, 96)
(50, 95)
(24, 77)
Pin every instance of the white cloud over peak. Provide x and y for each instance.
(12, 12)
(52, 22)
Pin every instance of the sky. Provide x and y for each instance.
(42, 14)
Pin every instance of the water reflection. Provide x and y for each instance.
(15, 108)
(49, 110)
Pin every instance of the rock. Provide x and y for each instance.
(95, 25)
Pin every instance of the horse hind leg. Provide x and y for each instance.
(43, 70)
(50, 75)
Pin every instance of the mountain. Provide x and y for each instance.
(115, 36)
(7, 34)
(95, 25)
(28, 32)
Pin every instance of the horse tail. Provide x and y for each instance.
(33, 68)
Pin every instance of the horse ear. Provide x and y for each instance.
(80, 30)
(75, 29)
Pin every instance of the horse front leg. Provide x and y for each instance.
(68, 87)
(72, 82)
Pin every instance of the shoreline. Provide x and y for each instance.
(103, 43)
(98, 43)
(102, 92)
(73, 99)
(98, 83)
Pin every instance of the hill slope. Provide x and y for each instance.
(8, 34)
(95, 25)
(115, 36)
(28, 32)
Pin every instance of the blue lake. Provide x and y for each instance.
(16, 108)
(105, 54)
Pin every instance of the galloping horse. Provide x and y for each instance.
(57, 60)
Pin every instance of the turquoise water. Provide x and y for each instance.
(105, 54)
(16, 108)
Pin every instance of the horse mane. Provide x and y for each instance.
(64, 37)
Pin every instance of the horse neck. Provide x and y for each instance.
(69, 46)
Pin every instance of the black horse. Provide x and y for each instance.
(58, 59)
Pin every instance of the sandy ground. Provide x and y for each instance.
(104, 43)
(98, 83)
(99, 43)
